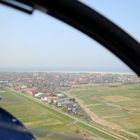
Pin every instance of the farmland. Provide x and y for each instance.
(119, 104)
(37, 115)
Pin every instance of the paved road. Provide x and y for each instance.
(105, 131)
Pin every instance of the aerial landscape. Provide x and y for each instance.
(96, 106)
(69, 75)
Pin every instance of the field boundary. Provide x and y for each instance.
(104, 131)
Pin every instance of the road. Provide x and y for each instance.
(104, 131)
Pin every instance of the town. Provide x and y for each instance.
(49, 82)
(79, 95)
(44, 86)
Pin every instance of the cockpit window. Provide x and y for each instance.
(61, 84)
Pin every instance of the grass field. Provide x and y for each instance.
(37, 115)
(119, 104)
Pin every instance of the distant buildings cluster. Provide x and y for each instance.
(49, 82)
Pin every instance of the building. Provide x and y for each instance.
(31, 91)
(39, 95)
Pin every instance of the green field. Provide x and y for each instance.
(118, 104)
(35, 114)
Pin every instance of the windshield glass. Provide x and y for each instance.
(61, 84)
(125, 15)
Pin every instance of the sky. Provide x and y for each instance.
(40, 42)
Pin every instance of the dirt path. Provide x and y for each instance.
(96, 118)
(100, 120)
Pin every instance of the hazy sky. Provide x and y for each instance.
(39, 41)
